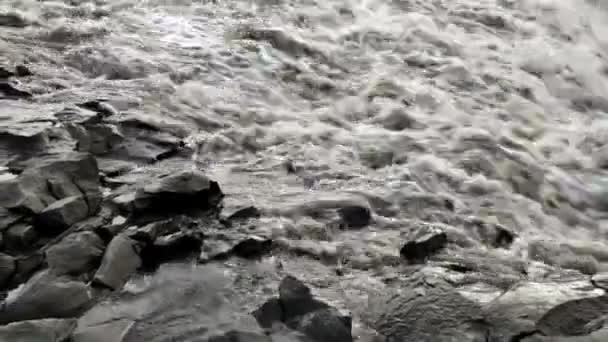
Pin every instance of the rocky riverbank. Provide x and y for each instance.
(367, 171)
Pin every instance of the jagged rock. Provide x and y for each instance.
(572, 318)
(178, 192)
(355, 216)
(64, 213)
(21, 236)
(11, 92)
(75, 254)
(7, 269)
(46, 296)
(120, 261)
(51, 178)
(240, 213)
(99, 106)
(423, 243)
(43, 330)
(431, 314)
(299, 310)
(179, 245)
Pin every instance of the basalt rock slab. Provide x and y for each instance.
(51, 178)
(63, 213)
(120, 261)
(75, 254)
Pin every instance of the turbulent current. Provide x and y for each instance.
(429, 112)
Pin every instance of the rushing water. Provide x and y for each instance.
(499, 105)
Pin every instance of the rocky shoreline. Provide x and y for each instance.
(80, 216)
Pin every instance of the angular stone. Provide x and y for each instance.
(423, 243)
(573, 317)
(43, 330)
(75, 254)
(355, 216)
(186, 189)
(21, 236)
(120, 261)
(45, 295)
(269, 314)
(63, 213)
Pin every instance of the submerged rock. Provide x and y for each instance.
(423, 243)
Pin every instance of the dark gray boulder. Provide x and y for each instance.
(75, 254)
(120, 261)
(297, 309)
(20, 236)
(64, 213)
(46, 296)
(572, 318)
(423, 243)
(185, 189)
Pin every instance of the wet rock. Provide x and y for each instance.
(431, 314)
(248, 247)
(180, 245)
(299, 310)
(572, 318)
(64, 213)
(49, 178)
(242, 213)
(354, 216)
(183, 191)
(5, 73)
(600, 280)
(43, 330)
(23, 71)
(99, 106)
(269, 314)
(7, 269)
(46, 296)
(252, 247)
(325, 326)
(397, 119)
(9, 91)
(12, 19)
(120, 261)
(423, 243)
(20, 237)
(75, 254)
(493, 234)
